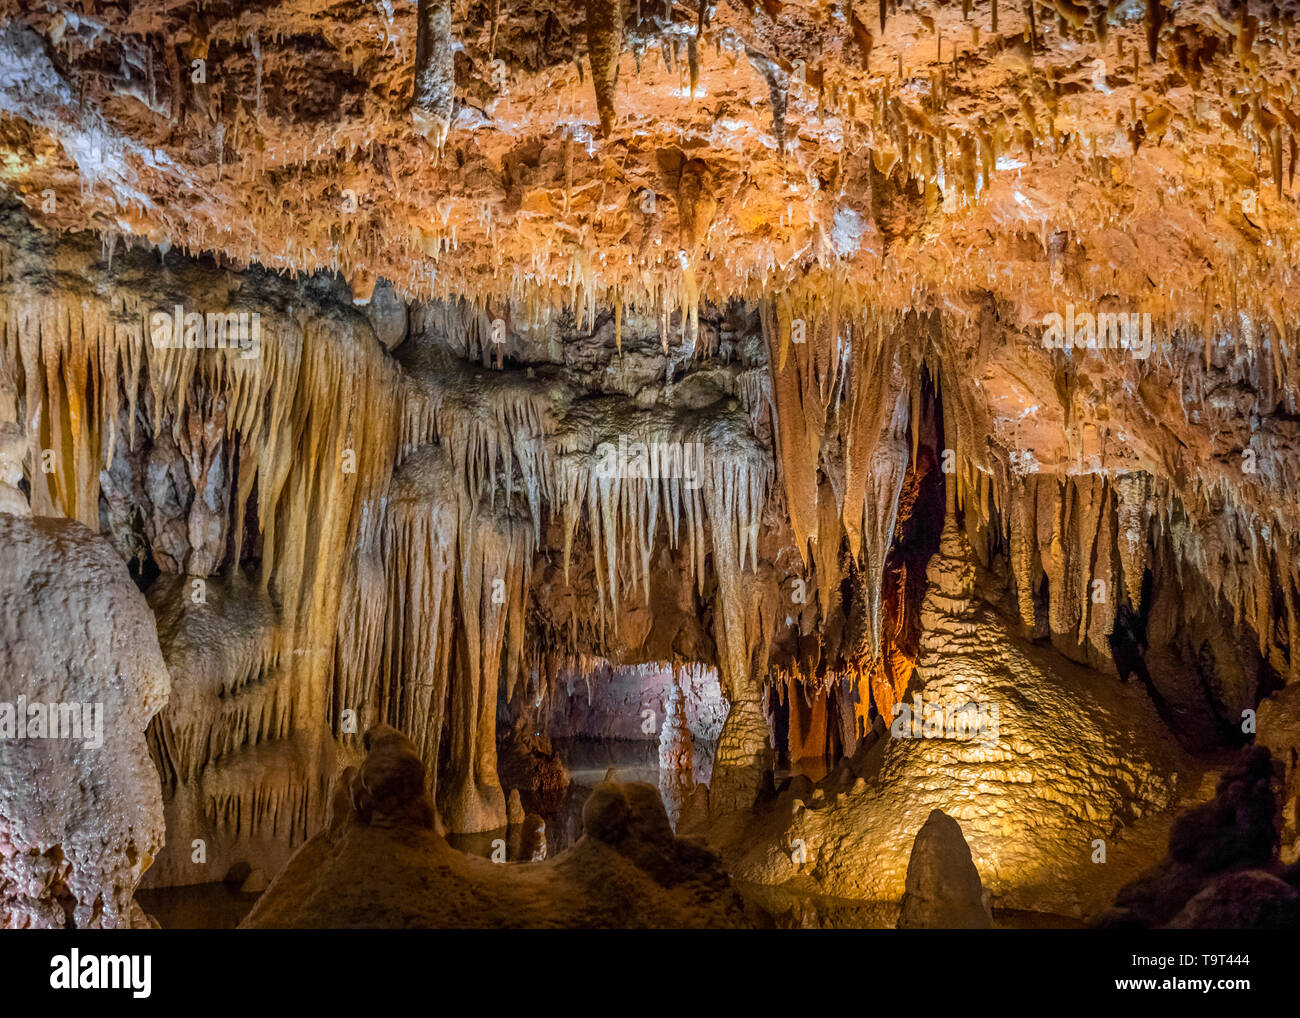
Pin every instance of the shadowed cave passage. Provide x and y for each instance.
(615, 465)
(816, 725)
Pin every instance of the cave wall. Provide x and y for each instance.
(299, 516)
(197, 463)
(604, 702)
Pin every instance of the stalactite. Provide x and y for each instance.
(310, 447)
(1083, 525)
(419, 559)
(1132, 491)
(1022, 547)
(1103, 600)
(1052, 542)
(800, 420)
(225, 652)
(875, 463)
(495, 556)
(736, 479)
(433, 103)
(1155, 19)
(778, 92)
(604, 47)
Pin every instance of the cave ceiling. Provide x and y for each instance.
(896, 154)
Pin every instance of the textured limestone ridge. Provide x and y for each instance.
(380, 862)
(79, 823)
(943, 886)
(676, 752)
(743, 755)
(951, 575)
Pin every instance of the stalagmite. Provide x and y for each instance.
(676, 752)
(81, 817)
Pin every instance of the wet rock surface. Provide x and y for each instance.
(628, 870)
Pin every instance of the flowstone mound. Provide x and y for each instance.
(1039, 761)
(81, 674)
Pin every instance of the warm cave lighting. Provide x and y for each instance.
(648, 464)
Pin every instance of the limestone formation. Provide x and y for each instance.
(13, 450)
(81, 675)
(1034, 758)
(942, 890)
(605, 46)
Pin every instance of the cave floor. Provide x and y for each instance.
(587, 762)
(196, 907)
(218, 906)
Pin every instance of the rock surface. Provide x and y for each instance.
(79, 822)
(957, 162)
(627, 871)
(1278, 730)
(1222, 867)
(13, 449)
(1250, 900)
(943, 890)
